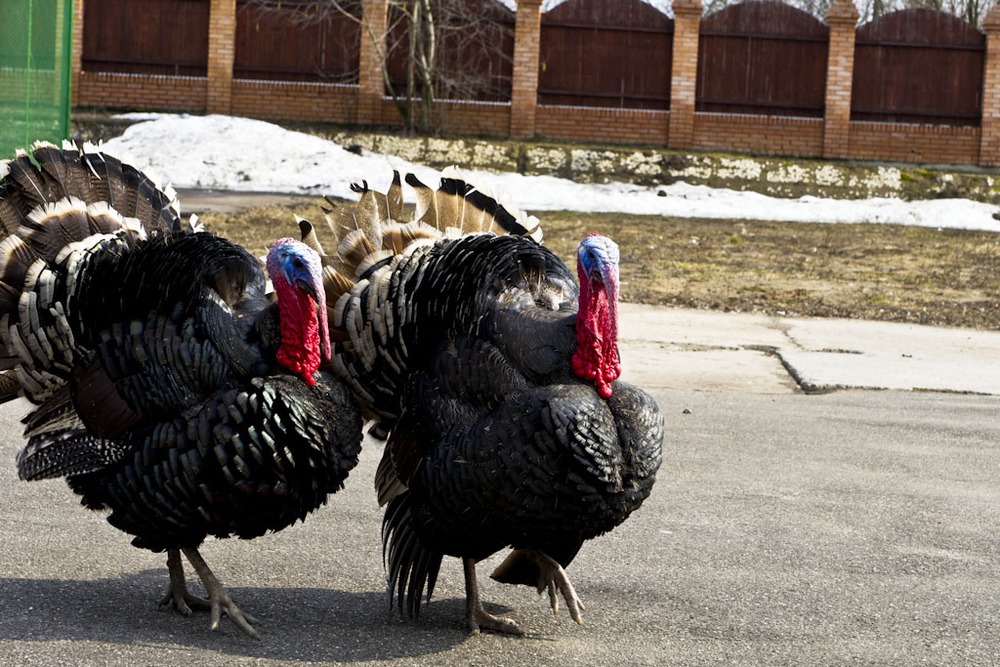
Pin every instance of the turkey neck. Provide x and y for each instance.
(299, 351)
(596, 356)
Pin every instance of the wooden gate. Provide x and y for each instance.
(918, 66)
(762, 58)
(606, 54)
(147, 37)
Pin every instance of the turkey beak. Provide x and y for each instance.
(606, 276)
(314, 290)
(308, 289)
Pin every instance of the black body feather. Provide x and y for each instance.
(462, 350)
(149, 352)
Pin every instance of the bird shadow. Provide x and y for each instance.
(296, 624)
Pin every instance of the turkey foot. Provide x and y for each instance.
(177, 593)
(478, 618)
(552, 577)
(218, 598)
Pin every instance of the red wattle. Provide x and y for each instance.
(300, 337)
(596, 356)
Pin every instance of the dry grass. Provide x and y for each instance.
(878, 272)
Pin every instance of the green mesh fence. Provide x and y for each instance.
(35, 43)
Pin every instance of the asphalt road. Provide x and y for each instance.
(845, 528)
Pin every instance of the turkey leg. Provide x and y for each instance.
(477, 617)
(177, 592)
(218, 597)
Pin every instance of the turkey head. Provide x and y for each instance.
(295, 271)
(596, 358)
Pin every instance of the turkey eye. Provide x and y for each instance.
(297, 263)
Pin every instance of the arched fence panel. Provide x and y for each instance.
(301, 40)
(918, 66)
(762, 58)
(148, 37)
(606, 54)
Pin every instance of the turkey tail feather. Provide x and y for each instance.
(374, 234)
(411, 570)
(10, 388)
(60, 208)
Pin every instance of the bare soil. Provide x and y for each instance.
(875, 272)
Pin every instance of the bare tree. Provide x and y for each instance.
(430, 50)
(454, 49)
(972, 11)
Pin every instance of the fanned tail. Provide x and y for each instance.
(374, 235)
(58, 208)
(459, 207)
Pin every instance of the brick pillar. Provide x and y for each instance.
(221, 54)
(684, 74)
(842, 19)
(76, 58)
(989, 142)
(371, 82)
(524, 86)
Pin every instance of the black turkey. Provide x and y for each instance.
(495, 378)
(170, 387)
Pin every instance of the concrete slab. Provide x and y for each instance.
(702, 328)
(668, 366)
(677, 348)
(711, 351)
(831, 354)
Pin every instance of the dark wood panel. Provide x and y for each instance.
(474, 53)
(918, 66)
(606, 54)
(762, 58)
(148, 37)
(296, 41)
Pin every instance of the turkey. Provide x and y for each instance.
(170, 387)
(494, 377)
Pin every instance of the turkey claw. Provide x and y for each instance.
(240, 619)
(182, 601)
(177, 594)
(553, 578)
(483, 620)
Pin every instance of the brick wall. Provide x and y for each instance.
(289, 100)
(474, 118)
(684, 83)
(834, 136)
(842, 17)
(606, 125)
(221, 53)
(990, 140)
(142, 92)
(765, 135)
(932, 144)
(524, 87)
